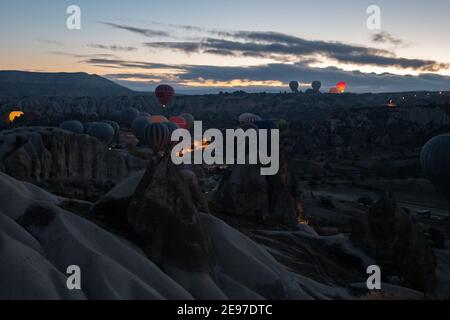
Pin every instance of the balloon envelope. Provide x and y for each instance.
(294, 86)
(157, 136)
(128, 115)
(165, 94)
(139, 126)
(171, 126)
(334, 91)
(249, 118)
(189, 119)
(180, 121)
(72, 126)
(102, 131)
(341, 86)
(316, 85)
(158, 119)
(435, 162)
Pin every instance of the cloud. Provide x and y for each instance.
(386, 37)
(51, 42)
(112, 47)
(268, 77)
(141, 31)
(279, 46)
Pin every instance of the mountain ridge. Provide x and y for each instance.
(76, 84)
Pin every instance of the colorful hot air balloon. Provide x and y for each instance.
(139, 127)
(158, 119)
(72, 126)
(189, 119)
(294, 86)
(157, 136)
(180, 121)
(165, 94)
(102, 131)
(249, 118)
(171, 126)
(334, 91)
(341, 86)
(316, 86)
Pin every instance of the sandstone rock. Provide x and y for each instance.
(270, 199)
(38, 154)
(396, 243)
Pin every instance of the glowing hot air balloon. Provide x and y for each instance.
(334, 91)
(341, 86)
(15, 114)
(165, 94)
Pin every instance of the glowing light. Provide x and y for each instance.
(15, 114)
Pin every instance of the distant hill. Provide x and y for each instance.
(21, 83)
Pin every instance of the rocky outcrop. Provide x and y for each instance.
(397, 244)
(40, 154)
(244, 192)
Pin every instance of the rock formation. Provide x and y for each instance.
(396, 243)
(244, 192)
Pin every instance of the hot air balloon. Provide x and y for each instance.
(165, 94)
(283, 126)
(180, 121)
(72, 126)
(316, 86)
(189, 119)
(158, 119)
(145, 114)
(171, 126)
(87, 125)
(157, 136)
(334, 91)
(13, 115)
(139, 127)
(116, 128)
(249, 118)
(128, 115)
(294, 86)
(102, 131)
(435, 162)
(341, 86)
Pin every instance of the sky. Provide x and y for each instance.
(201, 46)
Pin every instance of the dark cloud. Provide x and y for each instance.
(119, 63)
(112, 47)
(278, 46)
(141, 31)
(386, 37)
